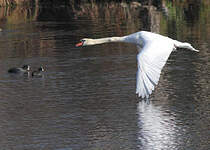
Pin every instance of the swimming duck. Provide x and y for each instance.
(24, 69)
(38, 72)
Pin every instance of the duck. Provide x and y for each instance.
(153, 51)
(37, 73)
(23, 69)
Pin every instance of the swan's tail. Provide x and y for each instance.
(184, 45)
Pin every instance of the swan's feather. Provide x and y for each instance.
(151, 59)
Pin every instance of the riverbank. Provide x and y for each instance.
(13, 3)
(158, 15)
(69, 2)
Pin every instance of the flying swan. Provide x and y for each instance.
(154, 50)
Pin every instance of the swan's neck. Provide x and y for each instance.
(105, 40)
(133, 38)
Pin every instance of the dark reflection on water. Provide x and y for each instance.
(86, 97)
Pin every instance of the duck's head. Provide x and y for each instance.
(26, 67)
(41, 69)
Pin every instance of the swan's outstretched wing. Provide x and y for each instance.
(151, 59)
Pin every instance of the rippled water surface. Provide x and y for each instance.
(86, 97)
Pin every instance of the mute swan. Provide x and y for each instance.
(154, 50)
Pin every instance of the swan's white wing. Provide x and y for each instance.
(151, 59)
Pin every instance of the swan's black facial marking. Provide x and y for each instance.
(81, 43)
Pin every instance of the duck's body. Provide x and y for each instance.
(24, 69)
(154, 50)
(38, 73)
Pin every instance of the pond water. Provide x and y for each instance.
(86, 97)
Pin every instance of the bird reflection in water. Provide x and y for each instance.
(157, 129)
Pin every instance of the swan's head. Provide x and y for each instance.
(85, 42)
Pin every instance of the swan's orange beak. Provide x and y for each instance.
(79, 44)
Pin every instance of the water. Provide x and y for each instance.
(86, 97)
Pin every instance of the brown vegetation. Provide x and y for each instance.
(15, 2)
(167, 17)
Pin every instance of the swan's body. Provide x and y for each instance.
(154, 50)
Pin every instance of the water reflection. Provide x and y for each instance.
(158, 129)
